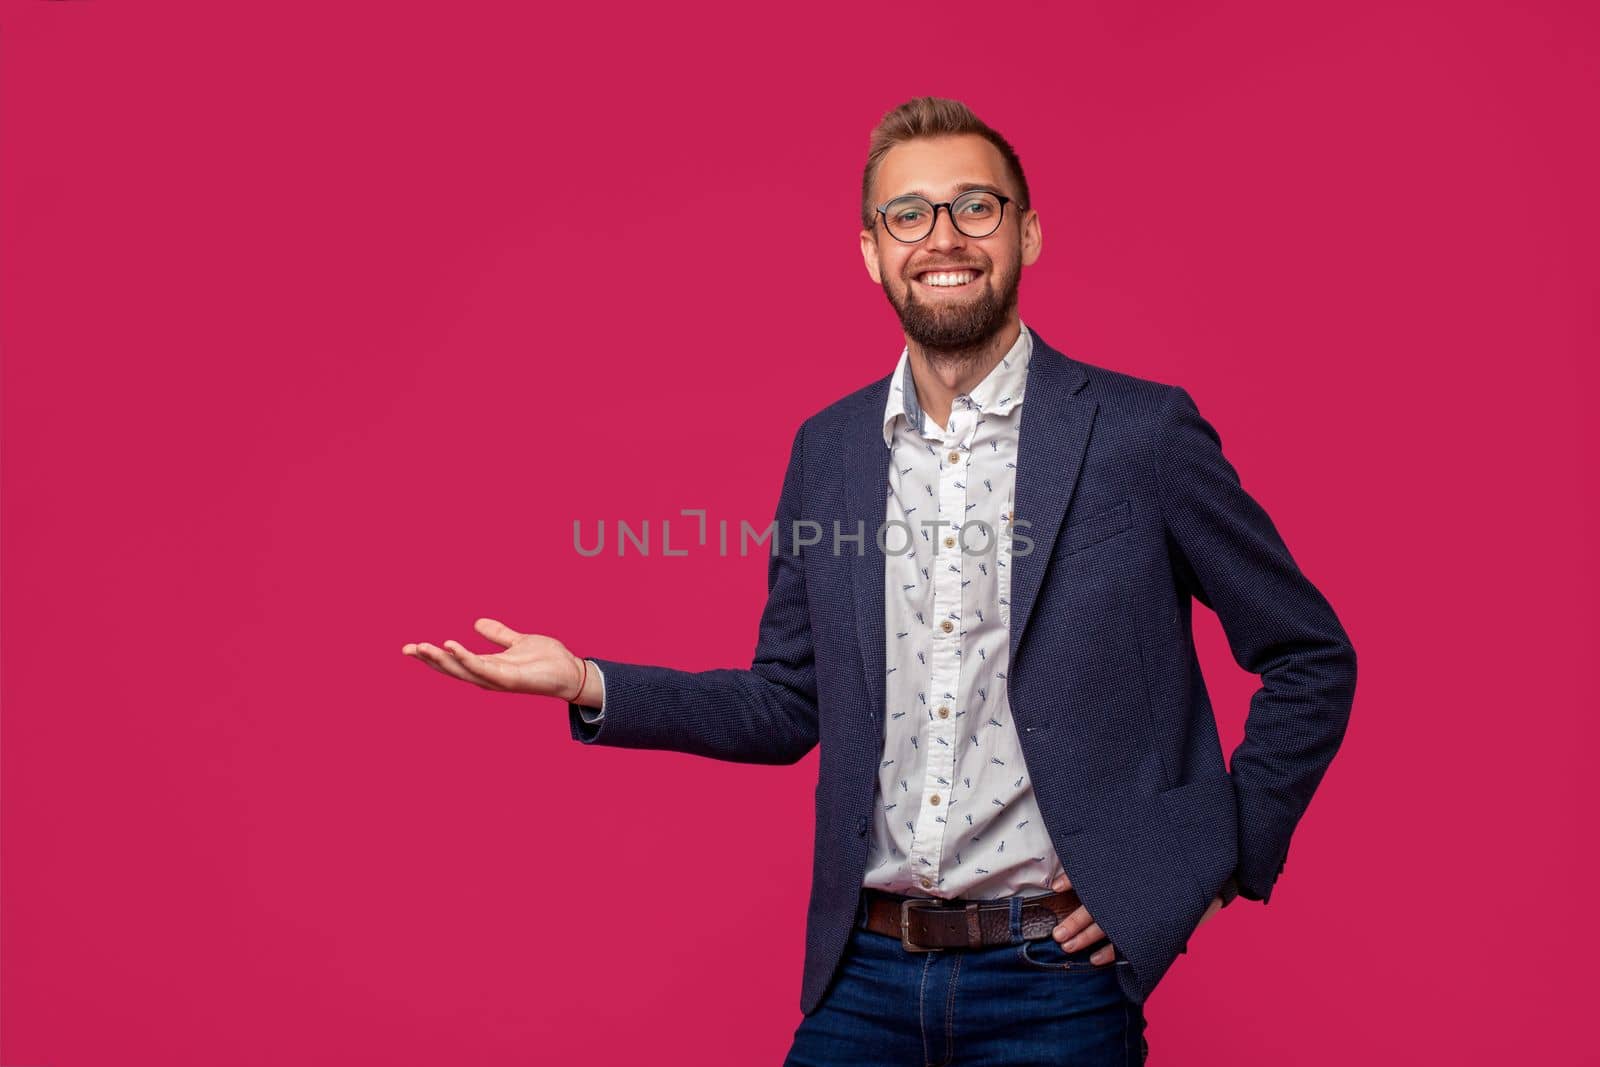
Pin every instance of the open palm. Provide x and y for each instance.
(531, 663)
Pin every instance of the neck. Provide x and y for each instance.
(942, 374)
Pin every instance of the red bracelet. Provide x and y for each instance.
(582, 681)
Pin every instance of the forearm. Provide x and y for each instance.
(764, 715)
(1296, 724)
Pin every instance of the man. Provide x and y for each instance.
(980, 607)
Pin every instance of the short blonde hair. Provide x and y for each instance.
(931, 116)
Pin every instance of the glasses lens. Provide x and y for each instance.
(976, 214)
(909, 218)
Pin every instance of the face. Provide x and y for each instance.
(950, 317)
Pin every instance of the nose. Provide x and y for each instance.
(944, 235)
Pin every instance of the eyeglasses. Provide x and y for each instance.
(976, 214)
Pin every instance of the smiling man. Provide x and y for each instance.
(1023, 811)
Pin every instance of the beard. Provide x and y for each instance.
(957, 330)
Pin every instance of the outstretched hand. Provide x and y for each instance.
(1079, 930)
(531, 663)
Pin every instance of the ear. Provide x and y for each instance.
(869, 253)
(1032, 238)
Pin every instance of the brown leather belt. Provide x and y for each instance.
(926, 923)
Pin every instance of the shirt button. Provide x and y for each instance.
(949, 542)
(934, 799)
(947, 626)
(944, 713)
(954, 457)
(927, 883)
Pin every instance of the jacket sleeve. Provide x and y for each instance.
(1231, 558)
(767, 714)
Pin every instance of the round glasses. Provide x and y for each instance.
(975, 214)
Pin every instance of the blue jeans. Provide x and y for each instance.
(1028, 1002)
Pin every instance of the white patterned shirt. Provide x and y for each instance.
(956, 814)
(954, 810)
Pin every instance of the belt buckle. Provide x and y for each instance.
(905, 927)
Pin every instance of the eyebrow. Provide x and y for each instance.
(964, 187)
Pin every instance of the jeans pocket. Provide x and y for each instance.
(1046, 954)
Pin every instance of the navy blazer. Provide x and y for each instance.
(1133, 513)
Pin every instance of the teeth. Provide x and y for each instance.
(946, 278)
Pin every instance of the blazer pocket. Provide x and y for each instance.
(1205, 799)
(1099, 526)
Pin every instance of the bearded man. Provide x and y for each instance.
(1022, 809)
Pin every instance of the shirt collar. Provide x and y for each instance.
(999, 392)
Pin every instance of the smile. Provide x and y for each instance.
(948, 279)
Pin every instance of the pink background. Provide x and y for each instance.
(323, 322)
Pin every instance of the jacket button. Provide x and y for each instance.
(861, 826)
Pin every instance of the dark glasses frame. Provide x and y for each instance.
(949, 209)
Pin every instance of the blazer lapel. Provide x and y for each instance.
(867, 503)
(1056, 418)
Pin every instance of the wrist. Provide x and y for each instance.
(592, 693)
(581, 671)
